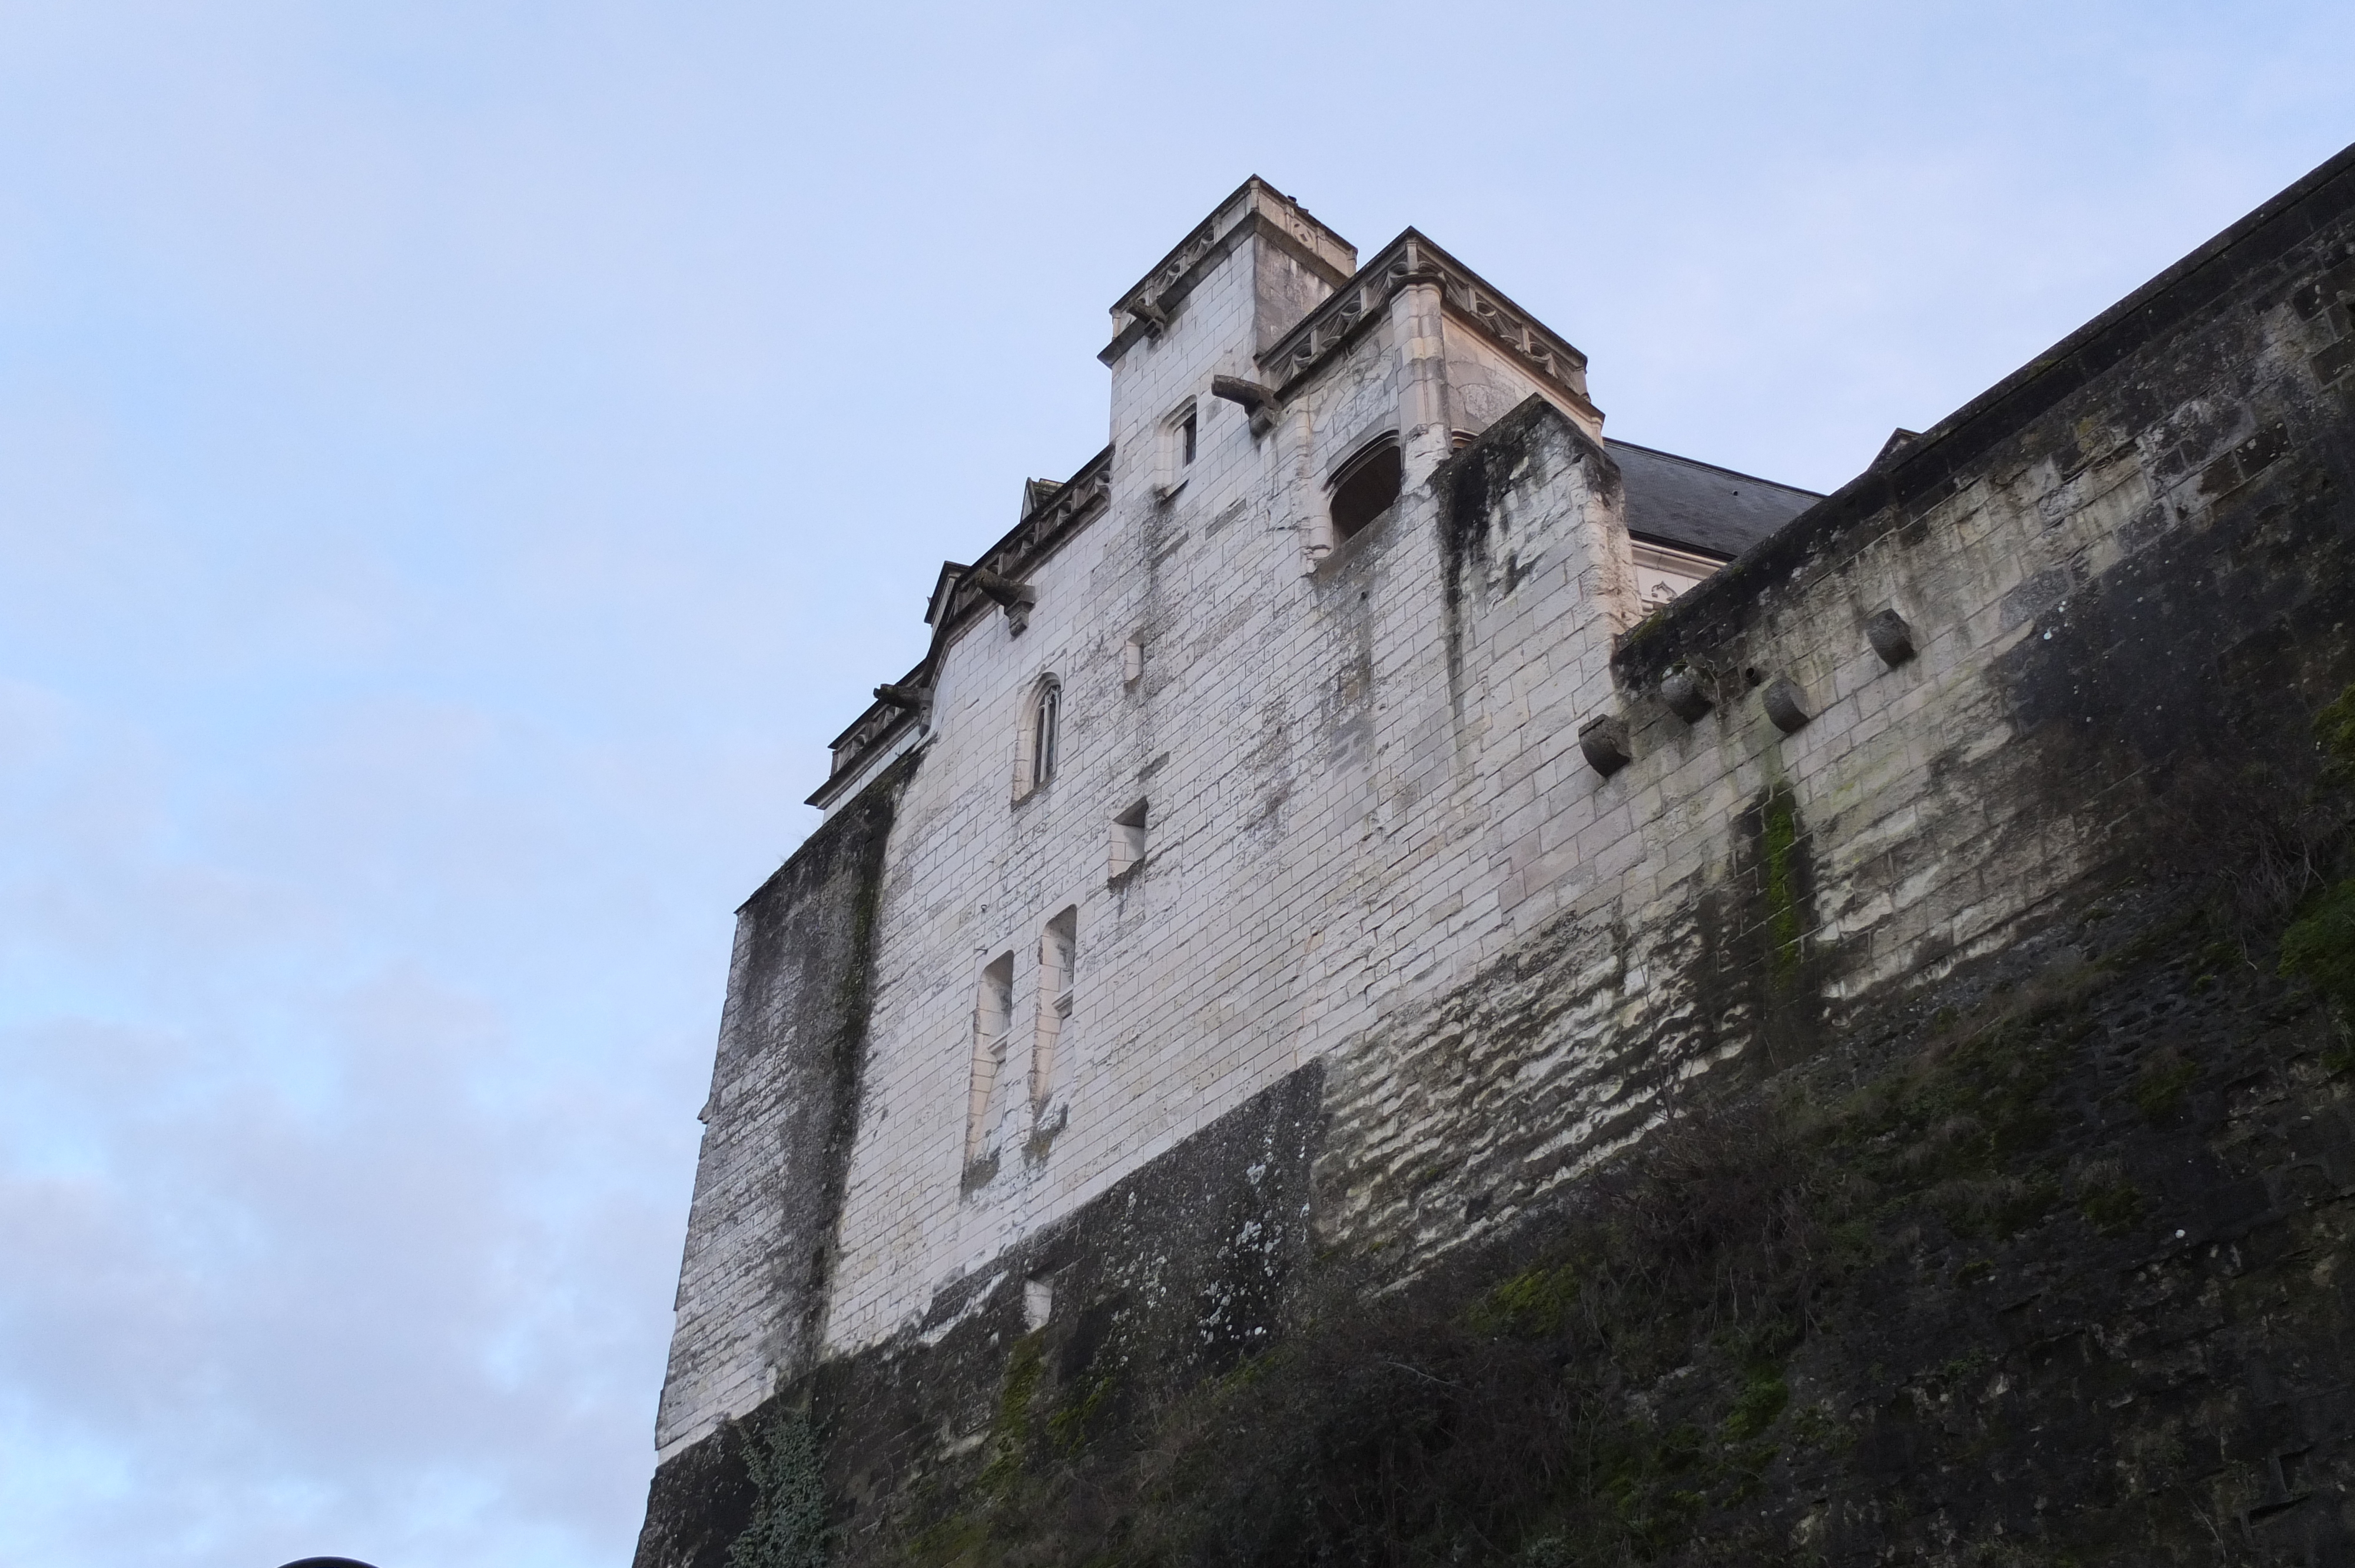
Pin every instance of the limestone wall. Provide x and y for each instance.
(2084, 559)
(1308, 784)
(1384, 874)
(1320, 738)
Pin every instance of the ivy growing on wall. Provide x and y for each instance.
(788, 1528)
(2320, 947)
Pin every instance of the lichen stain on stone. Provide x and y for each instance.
(1785, 921)
(1471, 487)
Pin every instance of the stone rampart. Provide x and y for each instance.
(2068, 640)
(2087, 567)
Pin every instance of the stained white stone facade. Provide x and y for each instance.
(1351, 756)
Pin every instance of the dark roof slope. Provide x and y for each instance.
(1699, 507)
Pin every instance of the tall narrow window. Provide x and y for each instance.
(1186, 439)
(993, 1013)
(1044, 721)
(1128, 840)
(1039, 737)
(1058, 951)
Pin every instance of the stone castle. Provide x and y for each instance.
(1364, 798)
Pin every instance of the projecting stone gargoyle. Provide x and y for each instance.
(1258, 401)
(1003, 589)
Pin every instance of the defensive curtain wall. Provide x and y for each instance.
(1466, 881)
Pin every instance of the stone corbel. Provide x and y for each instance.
(1684, 695)
(1890, 637)
(1786, 704)
(1603, 741)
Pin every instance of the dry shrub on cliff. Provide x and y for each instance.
(1600, 1400)
(2267, 835)
(1431, 1425)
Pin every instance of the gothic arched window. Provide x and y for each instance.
(1038, 742)
(1044, 723)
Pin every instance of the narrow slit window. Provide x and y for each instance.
(993, 1011)
(1128, 840)
(1179, 444)
(1058, 953)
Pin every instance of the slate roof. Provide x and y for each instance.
(1699, 506)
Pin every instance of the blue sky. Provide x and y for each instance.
(459, 464)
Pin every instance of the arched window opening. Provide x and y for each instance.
(1365, 489)
(1038, 737)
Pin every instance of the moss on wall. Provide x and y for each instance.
(1778, 852)
(2319, 947)
(1970, 1307)
(2045, 1267)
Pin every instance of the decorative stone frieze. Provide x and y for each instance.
(1411, 258)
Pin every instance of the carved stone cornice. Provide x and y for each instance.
(880, 725)
(1333, 325)
(1265, 212)
(959, 601)
(1049, 524)
(1141, 304)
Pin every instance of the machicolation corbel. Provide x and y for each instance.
(1890, 637)
(1682, 692)
(1603, 739)
(1785, 704)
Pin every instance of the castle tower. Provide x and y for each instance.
(1240, 743)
